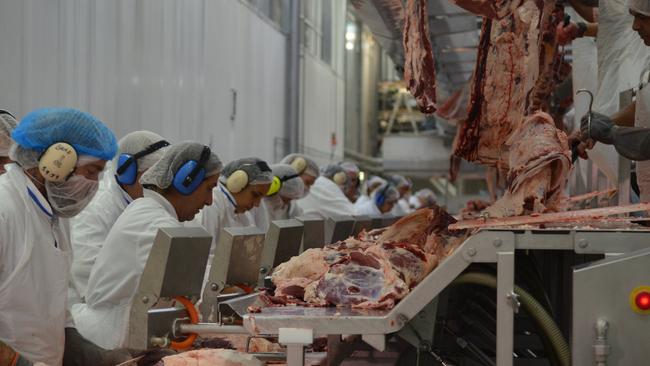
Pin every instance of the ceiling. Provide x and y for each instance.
(454, 35)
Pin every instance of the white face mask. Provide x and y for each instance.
(72, 196)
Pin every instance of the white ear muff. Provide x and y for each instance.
(340, 178)
(58, 162)
(299, 164)
(237, 181)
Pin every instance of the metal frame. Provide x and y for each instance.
(491, 246)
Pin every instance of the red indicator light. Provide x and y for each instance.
(642, 300)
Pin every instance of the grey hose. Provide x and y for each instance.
(532, 307)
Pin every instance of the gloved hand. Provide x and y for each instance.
(601, 130)
(153, 356)
(566, 34)
(81, 352)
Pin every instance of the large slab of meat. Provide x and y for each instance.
(494, 9)
(514, 77)
(419, 66)
(372, 271)
(211, 357)
(540, 161)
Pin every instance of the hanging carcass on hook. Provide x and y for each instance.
(419, 65)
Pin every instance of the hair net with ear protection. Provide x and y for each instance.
(7, 124)
(302, 164)
(337, 174)
(239, 174)
(292, 186)
(136, 142)
(350, 167)
(385, 193)
(42, 128)
(162, 173)
(400, 181)
(640, 6)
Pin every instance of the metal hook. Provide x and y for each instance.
(591, 102)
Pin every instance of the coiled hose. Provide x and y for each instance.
(532, 307)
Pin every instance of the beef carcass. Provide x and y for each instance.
(513, 78)
(494, 9)
(419, 66)
(372, 271)
(540, 161)
(211, 357)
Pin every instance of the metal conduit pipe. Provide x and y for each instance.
(211, 328)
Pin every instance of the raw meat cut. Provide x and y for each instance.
(211, 357)
(419, 66)
(372, 271)
(489, 8)
(454, 109)
(473, 209)
(514, 76)
(540, 161)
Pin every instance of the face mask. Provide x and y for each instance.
(72, 196)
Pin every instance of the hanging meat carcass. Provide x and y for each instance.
(419, 66)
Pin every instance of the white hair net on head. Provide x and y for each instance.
(400, 181)
(388, 191)
(350, 167)
(161, 174)
(337, 174)
(374, 182)
(257, 170)
(292, 186)
(304, 162)
(640, 6)
(7, 124)
(136, 142)
(426, 195)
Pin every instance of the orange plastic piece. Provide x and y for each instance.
(194, 318)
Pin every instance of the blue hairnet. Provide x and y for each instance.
(41, 128)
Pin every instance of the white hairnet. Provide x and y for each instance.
(374, 182)
(389, 192)
(640, 6)
(161, 174)
(7, 124)
(255, 169)
(311, 167)
(350, 167)
(400, 181)
(426, 195)
(137, 141)
(292, 186)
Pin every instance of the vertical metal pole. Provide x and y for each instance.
(505, 310)
(292, 106)
(295, 355)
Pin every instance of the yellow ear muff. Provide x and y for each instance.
(340, 178)
(58, 162)
(237, 181)
(275, 187)
(299, 164)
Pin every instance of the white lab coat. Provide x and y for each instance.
(368, 208)
(272, 209)
(90, 228)
(35, 259)
(114, 279)
(326, 199)
(642, 119)
(221, 214)
(361, 202)
(401, 208)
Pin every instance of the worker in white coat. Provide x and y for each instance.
(137, 152)
(381, 202)
(279, 203)
(175, 189)
(631, 142)
(353, 189)
(403, 185)
(327, 196)
(370, 185)
(59, 154)
(305, 166)
(7, 124)
(422, 198)
(242, 185)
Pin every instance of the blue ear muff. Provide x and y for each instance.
(380, 199)
(127, 169)
(191, 174)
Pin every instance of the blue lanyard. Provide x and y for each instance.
(228, 197)
(38, 203)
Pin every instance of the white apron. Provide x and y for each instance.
(33, 297)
